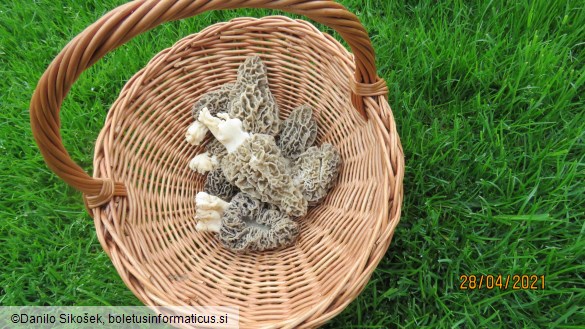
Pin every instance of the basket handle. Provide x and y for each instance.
(122, 24)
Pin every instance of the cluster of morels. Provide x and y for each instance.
(262, 173)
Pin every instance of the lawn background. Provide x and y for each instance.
(489, 101)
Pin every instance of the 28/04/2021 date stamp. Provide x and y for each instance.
(502, 282)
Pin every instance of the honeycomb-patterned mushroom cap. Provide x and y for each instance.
(258, 169)
(316, 171)
(252, 101)
(216, 184)
(248, 226)
(216, 101)
(298, 132)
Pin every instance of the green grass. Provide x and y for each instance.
(489, 102)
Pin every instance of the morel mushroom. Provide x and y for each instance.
(316, 170)
(244, 223)
(248, 99)
(215, 101)
(255, 164)
(252, 101)
(298, 132)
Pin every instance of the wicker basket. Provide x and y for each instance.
(142, 194)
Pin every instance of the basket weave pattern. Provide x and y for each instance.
(145, 221)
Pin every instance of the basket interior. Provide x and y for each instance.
(150, 235)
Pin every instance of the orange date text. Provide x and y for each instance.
(502, 282)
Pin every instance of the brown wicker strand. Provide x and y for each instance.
(378, 88)
(105, 195)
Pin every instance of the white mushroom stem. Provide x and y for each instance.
(226, 130)
(209, 210)
(196, 133)
(203, 163)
